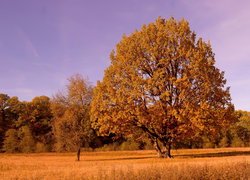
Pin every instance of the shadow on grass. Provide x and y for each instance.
(212, 154)
(201, 155)
(118, 159)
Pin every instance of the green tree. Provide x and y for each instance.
(163, 81)
(40, 120)
(37, 116)
(241, 129)
(9, 113)
(71, 123)
(27, 142)
(11, 141)
(3, 116)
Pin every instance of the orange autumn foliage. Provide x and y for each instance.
(162, 81)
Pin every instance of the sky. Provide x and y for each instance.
(44, 42)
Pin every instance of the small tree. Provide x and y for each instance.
(10, 108)
(163, 81)
(242, 127)
(4, 116)
(27, 142)
(11, 141)
(71, 124)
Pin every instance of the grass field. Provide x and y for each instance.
(223, 163)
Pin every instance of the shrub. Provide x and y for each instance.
(129, 145)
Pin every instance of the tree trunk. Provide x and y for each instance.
(168, 151)
(78, 154)
(157, 148)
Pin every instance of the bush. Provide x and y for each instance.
(110, 147)
(237, 142)
(129, 145)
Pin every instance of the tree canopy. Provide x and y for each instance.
(163, 81)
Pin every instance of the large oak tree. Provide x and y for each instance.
(163, 81)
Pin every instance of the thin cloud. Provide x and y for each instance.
(29, 46)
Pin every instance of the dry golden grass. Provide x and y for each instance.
(224, 163)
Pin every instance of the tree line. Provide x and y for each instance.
(62, 123)
(162, 90)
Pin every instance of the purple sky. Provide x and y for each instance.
(44, 42)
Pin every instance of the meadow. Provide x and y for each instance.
(221, 163)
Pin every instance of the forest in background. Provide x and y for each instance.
(62, 123)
